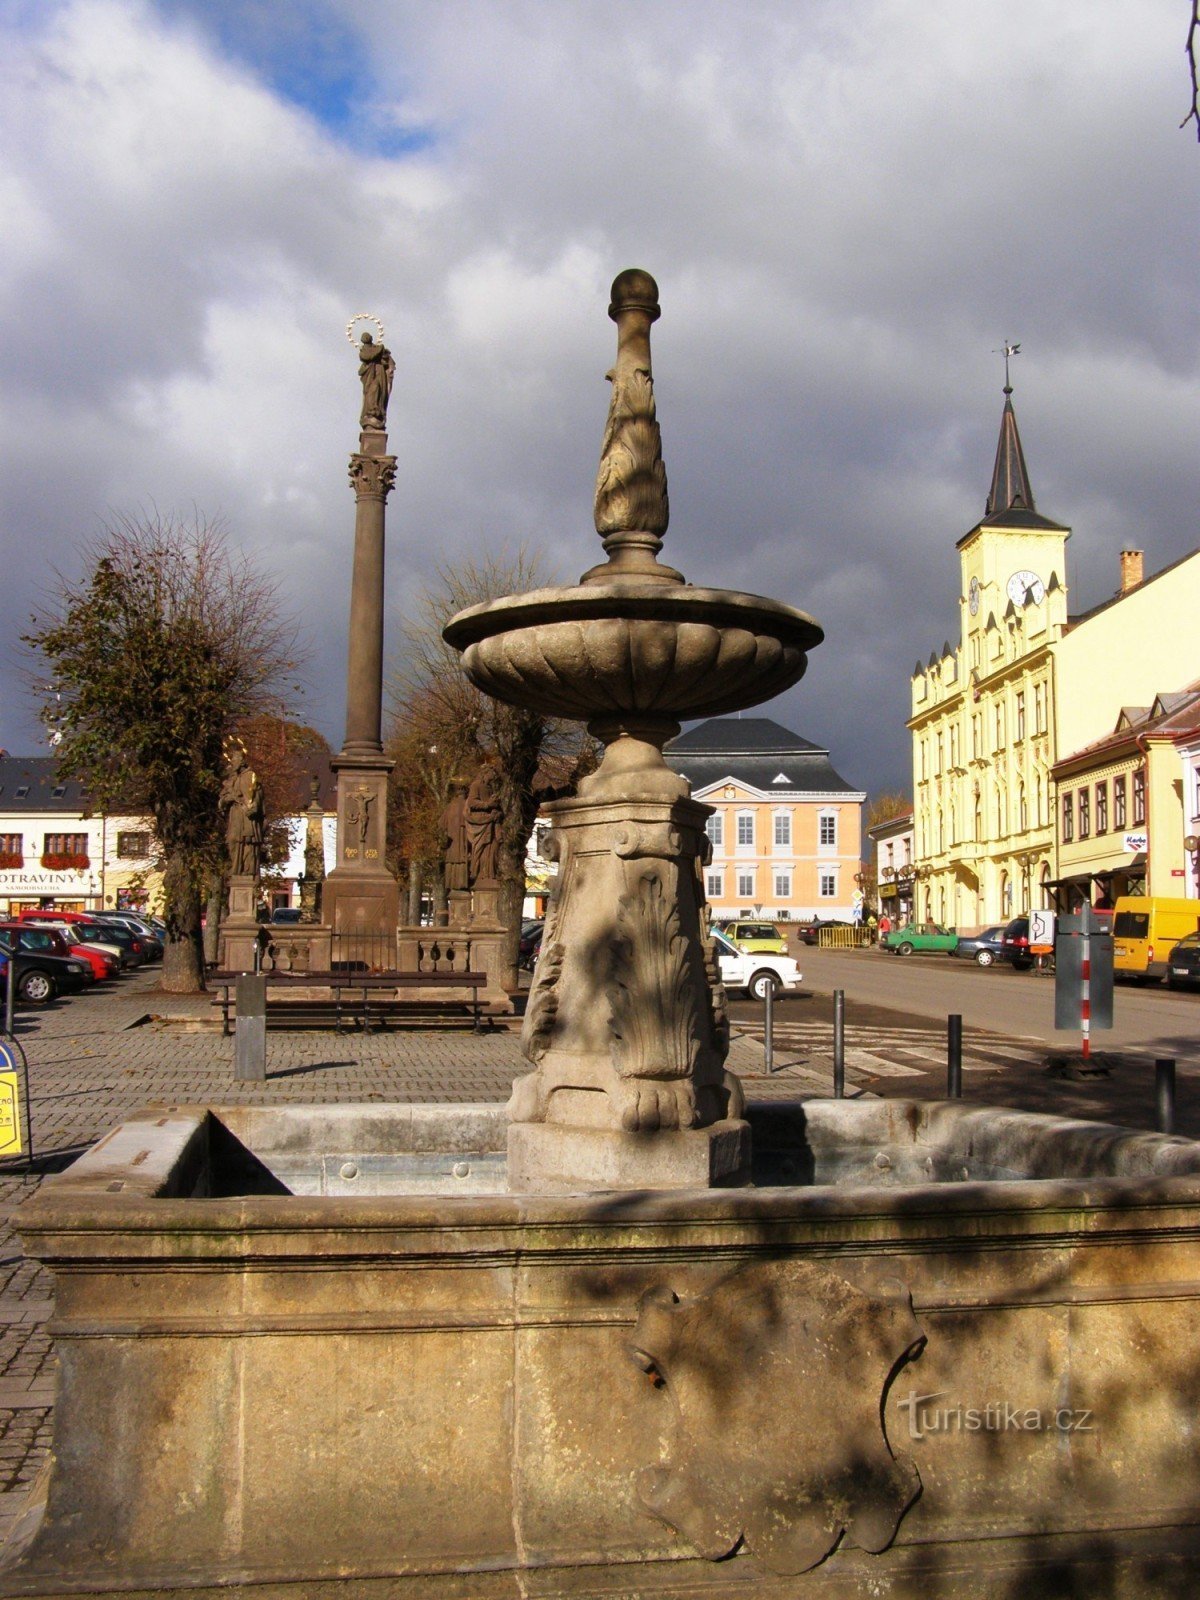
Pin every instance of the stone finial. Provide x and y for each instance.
(631, 487)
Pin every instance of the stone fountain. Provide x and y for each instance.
(633, 1336)
(625, 1025)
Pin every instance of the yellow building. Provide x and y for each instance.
(1026, 685)
(787, 828)
(983, 711)
(1128, 803)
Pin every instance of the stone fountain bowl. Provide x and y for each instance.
(603, 649)
(938, 1350)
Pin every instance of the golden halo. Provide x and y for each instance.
(363, 316)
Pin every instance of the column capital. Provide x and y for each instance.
(372, 477)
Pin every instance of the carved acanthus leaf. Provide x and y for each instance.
(654, 1015)
(372, 477)
(631, 485)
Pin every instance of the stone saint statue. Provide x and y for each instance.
(242, 799)
(376, 369)
(456, 850)
(483, 816)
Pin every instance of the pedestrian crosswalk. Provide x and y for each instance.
(803, 1054)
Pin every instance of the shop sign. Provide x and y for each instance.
(1136, 843)
(44, 882)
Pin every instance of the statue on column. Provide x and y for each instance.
(314, 856)
(484, 814)
(376, 369)
(245, 820)
(456, 850)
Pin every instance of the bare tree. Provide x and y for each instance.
(452, 729)
(157, 653)
(1192, 48)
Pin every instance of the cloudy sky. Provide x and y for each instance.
(848, 209)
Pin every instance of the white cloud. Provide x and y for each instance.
(847, 209)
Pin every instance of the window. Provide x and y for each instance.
(133, 846)
(1085, 817)
(827, 829)
(1102, 808)
(827, 885)
(1119, 802)
(1195, 792)
(1020, 716)
(745, 828)
(924, 758)
(715, 885)
(977, 735)
(65, 850)
(715, 828)
(1039, 708)
(783, 886)
(783, 828)
(953, 747)
(1022, 810)
(999, 727)
(938, 763)
(1139, 796)
(1068, 817)
(745, 882)
(12, 850)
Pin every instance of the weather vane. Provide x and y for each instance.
(1007, 352)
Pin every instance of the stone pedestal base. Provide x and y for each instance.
(552, 1159)
(239, 931)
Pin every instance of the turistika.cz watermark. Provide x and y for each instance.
(926, 1415)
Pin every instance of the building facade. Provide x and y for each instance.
(992, 715)
(786, 828)
(895, 867)
(1128, 805)
(54, 852)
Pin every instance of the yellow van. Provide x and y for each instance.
(1146, 930)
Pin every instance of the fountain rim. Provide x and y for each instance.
(636, 602)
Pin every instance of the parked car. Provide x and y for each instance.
(38, 978)
(1015, 943)
(1183, 963)
(754, 936)
(34, 938)
(530, 942)
(151, 946)
(924, 937)
(285, 914)
(985, 948)
(755, 971)
(810, 932)
(94, 937)
(93, 930)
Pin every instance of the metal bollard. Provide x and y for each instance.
(250, 1030)
(954, 1056)
(9, 990)
(1164, 1089)
(769, 1027)
(839, 1044)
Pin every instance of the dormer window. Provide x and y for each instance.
(782, 778)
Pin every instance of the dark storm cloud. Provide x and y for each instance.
(847, 210)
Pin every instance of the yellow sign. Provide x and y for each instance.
(10, 1115)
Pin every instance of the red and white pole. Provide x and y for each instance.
(1085, 988)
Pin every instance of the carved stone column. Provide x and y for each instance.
(626, 1021)
(361, 897)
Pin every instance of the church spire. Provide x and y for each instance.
(1010, 489)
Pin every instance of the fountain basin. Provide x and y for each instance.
(321, 1346)
(669, 650)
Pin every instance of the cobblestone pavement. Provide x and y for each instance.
(97, 1058)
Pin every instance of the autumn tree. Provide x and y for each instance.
(156, 655)
(444, 728)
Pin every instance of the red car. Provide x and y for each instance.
(35, 939)
(133, 948)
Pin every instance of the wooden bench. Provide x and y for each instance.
(354, 994)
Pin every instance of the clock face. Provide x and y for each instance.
(1025, 583)
(973, 596)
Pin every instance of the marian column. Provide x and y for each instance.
(361, 896)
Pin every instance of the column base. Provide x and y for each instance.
(553, 1159)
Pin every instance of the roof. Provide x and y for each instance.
(1175, 715)
(33, 783)
(1136, 588)
(757, 753)
(1010, 502)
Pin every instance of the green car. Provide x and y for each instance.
(920, 936)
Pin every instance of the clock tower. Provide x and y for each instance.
(982, 722)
